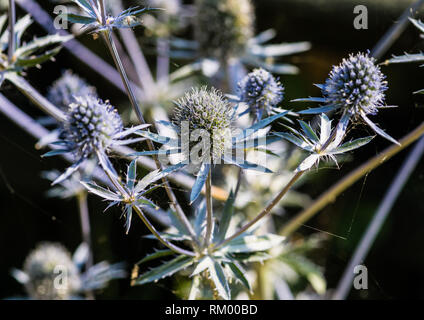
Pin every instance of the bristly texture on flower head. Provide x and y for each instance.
(91, 125)
(223, 27)
(63, 90)
(91, 128)
(207, 110)
(357, 84)
(40, 268)
(357, 87)
(261, 91)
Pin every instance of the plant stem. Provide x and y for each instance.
(209, 210)
(380, 217)
(86, 232)
(265, 211)
(103, 11)
(159, 237)
(346, 182)
(395, 31)
(12, 39)
(174, 203)
(137, 57)
(163, 62)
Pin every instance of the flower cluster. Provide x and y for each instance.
(261, 91)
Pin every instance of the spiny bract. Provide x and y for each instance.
(62, 92)
(357, 84)
(207, 110)
(261, 91)
(91, 125)
(223, 27)
(41, 267)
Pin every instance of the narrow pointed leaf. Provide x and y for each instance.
(200, 182)
(219, 279)
(165, 270)
(156, 255)
(253, 243)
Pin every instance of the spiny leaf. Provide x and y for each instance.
(165, 270)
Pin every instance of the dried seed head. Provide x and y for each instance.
(91, 125)
(44, 266)
(223, 27)
(261, 91)
(62, 92)
(207, 110)
(357, 84)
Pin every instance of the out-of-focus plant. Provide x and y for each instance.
(50, 273)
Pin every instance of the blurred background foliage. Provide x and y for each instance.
(395, 263)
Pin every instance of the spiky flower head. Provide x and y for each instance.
(357, 85)
(62, 92)
(91, 125)
(204, 109)
(261, 91)
(223, 27)
(43, 267)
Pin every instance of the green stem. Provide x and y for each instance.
(107, 35)
(86, 232)
(12, 39)
(159, 237)
(209, 210)
(264, 212)
(331, 195)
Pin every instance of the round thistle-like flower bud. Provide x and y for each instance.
(223, 27)
(357, 84)
(52, 274)
(208, 110)
(91, 125)
(261, 91)
(62, 92)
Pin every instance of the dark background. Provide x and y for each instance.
(396, 261)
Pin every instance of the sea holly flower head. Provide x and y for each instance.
(91, 127)
(318, 144)
(206, 115)
(207, 110)
(63, 90)
(261, 91)
(223, 27)
(356, 87)
(49, 260)
(357, 84)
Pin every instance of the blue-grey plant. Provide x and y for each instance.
(15, 59)
(210, 112)
(91, 128)
(48, 261)
(355, 87)
(318, 145)
(261, 92)
(408, 58)
(62, 91)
